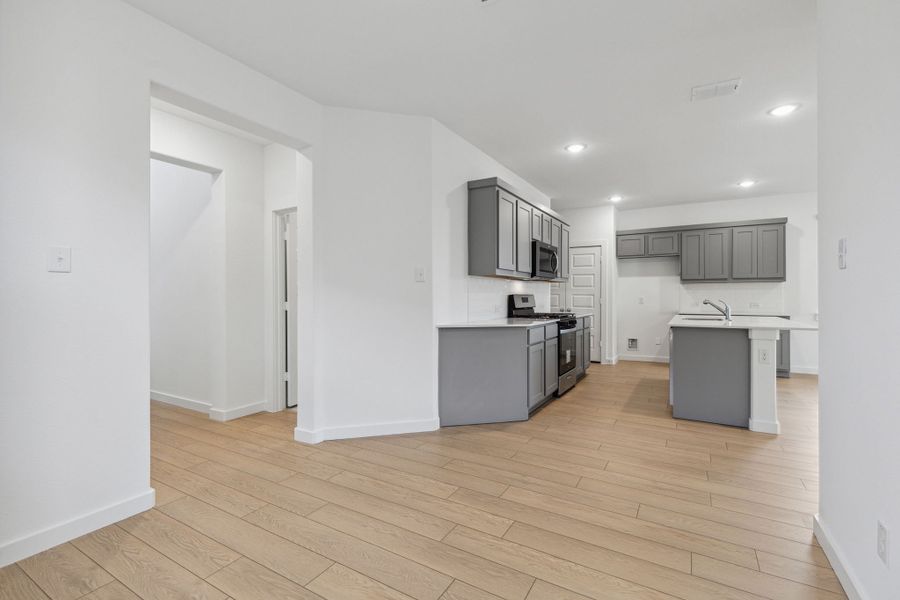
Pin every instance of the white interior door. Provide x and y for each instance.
(583, 291)
(288, 297)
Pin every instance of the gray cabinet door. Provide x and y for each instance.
(536, 368)
(587, 347)
(546, 227)
(564, 253)
(551, 366)
(579, 352)
(506, 231)
(556, 233)
(523, 238)
(537, 224)
(631, 245)
(744, 252)
(692, 255)
(717, 253)
(771, 252)
(664, 243)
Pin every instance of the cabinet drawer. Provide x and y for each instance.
(551, 331)
(535, 335)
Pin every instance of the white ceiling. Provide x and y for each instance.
(522, 78)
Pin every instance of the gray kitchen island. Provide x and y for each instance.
(724, 371)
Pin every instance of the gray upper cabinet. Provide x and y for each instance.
(631, 246)
(502, 226)
(555, 233)
(664, 243)
(741, 251)
(771, 256)
(523, 238)
(506, 231)
(692, 255)
(537, 224)
(564, 253)
(717, 253)
(744, 253)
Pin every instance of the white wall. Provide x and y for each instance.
(187, 287)
(859, 199)
(241, 257)
(657, 281)
(459, 297)
(74, 348)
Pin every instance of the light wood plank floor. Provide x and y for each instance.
(600, 495)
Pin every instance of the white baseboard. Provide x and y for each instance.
(60, 533)
(838, 563)
(805, 370)
(359, 431)
(644, 358)
(764, 426)
(181, 401)
(217, 414)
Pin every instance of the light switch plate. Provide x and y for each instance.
(59, 260)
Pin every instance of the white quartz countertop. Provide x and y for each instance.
(524, 323)
(710, 321)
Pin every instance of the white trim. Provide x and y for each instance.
(805, 370)
(643, 358)
(848, 580)
(764, 426)
(188, 403)
(607, 303)
(54, 535)
(217, 414)
(360, 431)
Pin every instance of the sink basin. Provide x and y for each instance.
(703, 318)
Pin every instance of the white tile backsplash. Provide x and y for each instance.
(756, 298)
(488, 296)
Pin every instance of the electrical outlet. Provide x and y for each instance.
(640, 299)
(658, 341)
(765, 357)
(496, 309)
(842, 253)
(59, 260)
(419, 274)
(754, 305)
(882, 543)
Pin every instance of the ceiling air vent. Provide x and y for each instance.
(714, 90)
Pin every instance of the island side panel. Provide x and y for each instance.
(710, 375)
(483, 375)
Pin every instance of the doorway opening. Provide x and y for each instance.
(285, 309)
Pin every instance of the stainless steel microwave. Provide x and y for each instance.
(544, 260)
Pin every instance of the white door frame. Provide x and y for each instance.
(277, 401)
(607, 298)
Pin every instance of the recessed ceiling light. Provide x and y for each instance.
(575, 148)
(747, 183)
(615, 198)
(783, 110)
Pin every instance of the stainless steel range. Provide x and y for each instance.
(522, 306)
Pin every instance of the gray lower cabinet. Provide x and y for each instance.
(631, 246)
(536, 370)
(783, 354)
(579, 352)
(551, 366)
(587, 345)
(523, 238)
(665, 243)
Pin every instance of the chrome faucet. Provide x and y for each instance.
(725, 309)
